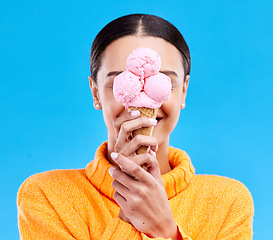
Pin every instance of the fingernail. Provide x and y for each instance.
(114, 155)
(135, 113)
(111, 170)
(153, 121)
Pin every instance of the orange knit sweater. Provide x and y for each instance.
(78, 204)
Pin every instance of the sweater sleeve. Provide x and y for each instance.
(238, 221)
(42, 223)
(182, 235)
(38, 219)
(118, 229)
(36, 224)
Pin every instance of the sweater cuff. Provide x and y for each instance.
(182, 235)
(119, 229)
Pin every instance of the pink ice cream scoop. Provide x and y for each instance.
(142, 85)
(158, 87)
(126, 87)
(143, 62)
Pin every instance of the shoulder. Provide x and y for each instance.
(50, 182)
(225, 204)
(223, 189)
(53, 176)
(219, 182)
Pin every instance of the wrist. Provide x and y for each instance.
(176, 235)
(168, 232)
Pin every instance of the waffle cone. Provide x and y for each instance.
(147, 131)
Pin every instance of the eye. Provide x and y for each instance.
(110, 85)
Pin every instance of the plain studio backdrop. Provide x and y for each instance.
(47, 119)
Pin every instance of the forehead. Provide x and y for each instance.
(115, 55)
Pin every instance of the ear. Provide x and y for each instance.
(184, 93)
(95, 93)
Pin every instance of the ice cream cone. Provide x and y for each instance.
(147, 131)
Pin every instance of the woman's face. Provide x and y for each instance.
(114, 61)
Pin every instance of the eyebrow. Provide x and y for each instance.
(169, 73)
(115, 73)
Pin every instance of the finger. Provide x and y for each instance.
(125, 116)
(131, 168)
(121, 201)
(122, 177)
(139, 140)
(145, 159)
(120, 188)
(128, 127)
(149, 163)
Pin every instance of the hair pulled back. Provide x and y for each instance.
(140, 25)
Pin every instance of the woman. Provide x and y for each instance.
(114, 197)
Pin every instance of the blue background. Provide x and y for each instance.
(47, 120)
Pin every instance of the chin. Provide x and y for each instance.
(161, 136)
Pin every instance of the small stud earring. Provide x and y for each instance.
(183, 105)
(97, 105)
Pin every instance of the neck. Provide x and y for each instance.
(161, 155)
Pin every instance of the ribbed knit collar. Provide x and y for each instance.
(175, 181)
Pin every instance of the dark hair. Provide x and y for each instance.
(142, 25)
